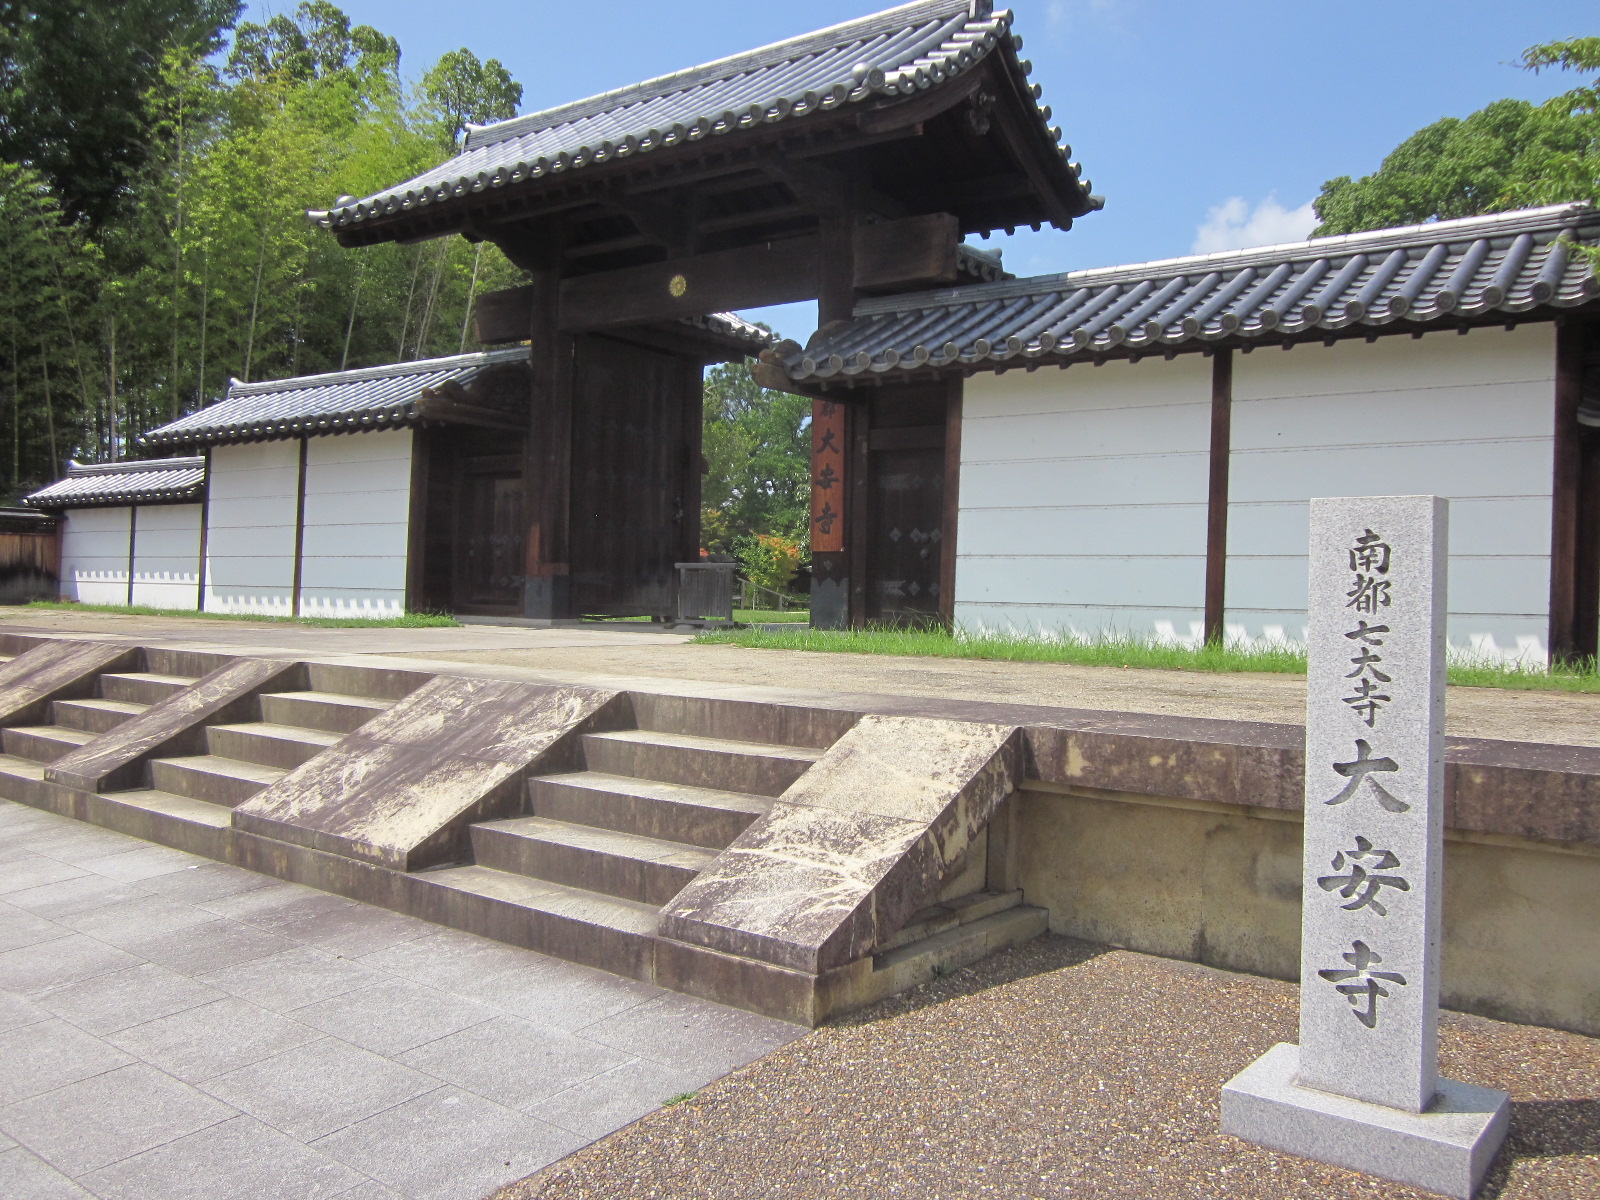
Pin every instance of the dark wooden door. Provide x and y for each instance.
(906, 540)
(632, 505)
(489, 536)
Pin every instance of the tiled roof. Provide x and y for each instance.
(153, 481)
(342, 402)
(733, 326)
(1420, 276)
(891, 54)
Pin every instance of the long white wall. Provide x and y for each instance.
(1466, 417)
(358, 499)
(250, 539)
(166, 548)
(1083, 499)
(166, 562)
(353, 553)
(94, 556)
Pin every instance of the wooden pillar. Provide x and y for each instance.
(547, 461)
(1217, 495)
(205, 530)
(299, 528)
(830, 575)
(952, 501)
(834, 507)
(859, 509)
(417, 598)
(1574, 504)
(133, 534)
(693, 436)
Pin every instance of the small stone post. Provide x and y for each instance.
(1362, 1090)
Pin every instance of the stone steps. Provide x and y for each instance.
(573, 923)
(268, 743)
(673, 812)
(760, 768)
(43, 743)
(95, 716)
(141, 687)
(245, 757)
(331, 712)
(214, 778)
(645, 869)
(910, 964)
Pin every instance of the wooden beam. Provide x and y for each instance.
(503, 316)
(902, 255)
(1565, 638)
(836, 269)
(750, 277)
(1217, 496)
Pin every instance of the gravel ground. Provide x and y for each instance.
(1058, 1069)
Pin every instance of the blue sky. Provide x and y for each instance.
(1204, 124)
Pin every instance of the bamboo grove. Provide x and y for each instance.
(147, 266)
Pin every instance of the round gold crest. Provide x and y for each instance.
(677, 285)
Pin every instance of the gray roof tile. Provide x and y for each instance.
(1440, 273)
(342, 402)
(152, 481)
(898, 52)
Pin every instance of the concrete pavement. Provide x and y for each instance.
(172, 1027)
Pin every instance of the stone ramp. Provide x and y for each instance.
(653, 836)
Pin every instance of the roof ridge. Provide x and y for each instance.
(798, 46)
(1546, 217)
(420, 366)
(78, 470)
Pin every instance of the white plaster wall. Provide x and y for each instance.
(250, 542)
(1083, 499)
(94, 556)
(358, 499)
(1466, 417)
(166, 556)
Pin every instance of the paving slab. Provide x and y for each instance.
(258, 1040)
(95, 1122)
(29, 1177)
(321, 1087)
(108, 1003)
(240, 1157)
(448, 1145)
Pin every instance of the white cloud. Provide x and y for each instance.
(1234, 225)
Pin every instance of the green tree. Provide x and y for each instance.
(316, 43)
(206, 267)
(1506, 155)
(757, 446)
(74, 75)
(461, 90)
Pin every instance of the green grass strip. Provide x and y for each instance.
(406, 621)
(1116, 651)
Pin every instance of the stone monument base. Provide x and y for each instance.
(1446, 1149)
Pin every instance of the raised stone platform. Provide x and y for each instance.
(1170, 834)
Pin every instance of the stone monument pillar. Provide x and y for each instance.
(1362, 1090)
